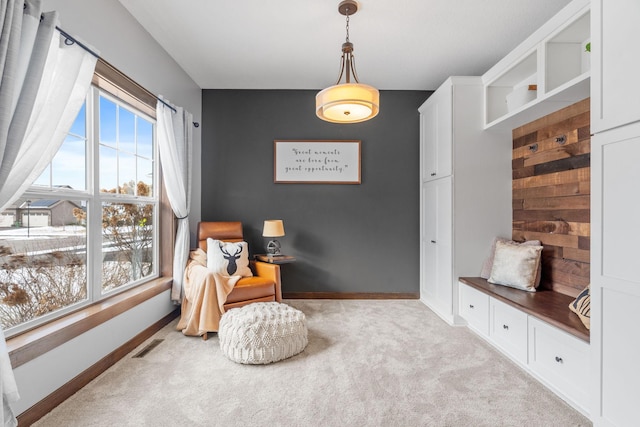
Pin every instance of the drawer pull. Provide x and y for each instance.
(433, 174)
(433, 241)
(505, 327)
(471, 306)
(559, 359)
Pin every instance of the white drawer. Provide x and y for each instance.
(508, 330)
(474, 308)
(561, 360)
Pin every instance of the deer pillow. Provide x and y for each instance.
(228, 258)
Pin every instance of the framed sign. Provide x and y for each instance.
(316, 162)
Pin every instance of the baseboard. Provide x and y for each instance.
(47, 404)
(351, 295)
(439, 311)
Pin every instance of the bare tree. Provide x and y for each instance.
(34, 285)
(36, 279)
(128, 229)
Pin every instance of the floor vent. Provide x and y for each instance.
(153, 344)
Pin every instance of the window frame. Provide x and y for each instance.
(132, 96)
(100, 198)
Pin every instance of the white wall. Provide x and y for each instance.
(108, 27)
(43, 375)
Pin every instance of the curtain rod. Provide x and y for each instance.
(71, 40)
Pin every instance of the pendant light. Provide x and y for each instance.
(347, 102)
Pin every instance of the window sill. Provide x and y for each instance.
(36, 342)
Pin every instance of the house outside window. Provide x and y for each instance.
(86, 228)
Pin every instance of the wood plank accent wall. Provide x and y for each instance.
(551, 194)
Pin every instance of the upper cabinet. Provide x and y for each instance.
(615, 97)
(548, 71)
(436, 136)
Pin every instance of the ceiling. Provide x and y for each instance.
(296, 44)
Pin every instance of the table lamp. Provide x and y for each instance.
(273, 228)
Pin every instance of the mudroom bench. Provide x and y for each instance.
(547, 305)
(534, 329)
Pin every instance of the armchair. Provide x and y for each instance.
(206, 298)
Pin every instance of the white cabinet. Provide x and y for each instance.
(474, 308)
(615, 275)
(561, 361)
(459, 217)
(436, 133)
(620, 388)
(615, 209)
(615, 91)
(546, 72)
(619, 157)
(557, 359)
(509, 330)
(437, 273)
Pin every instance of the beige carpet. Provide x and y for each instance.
(368, 363)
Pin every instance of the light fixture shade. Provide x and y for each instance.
(273, 228)
(348, 103)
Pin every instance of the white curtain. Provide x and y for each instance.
(175, 138)
(43, 82)
(45, 79)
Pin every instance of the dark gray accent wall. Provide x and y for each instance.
(346, 238)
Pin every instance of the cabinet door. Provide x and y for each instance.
(436, 134)
(474, 308)
(437, 286)
(620, 208)
(508, 329)
(620, 388)
(616, 65)
(615, 275)
(561, 361)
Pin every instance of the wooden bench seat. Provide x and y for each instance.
(549, 306)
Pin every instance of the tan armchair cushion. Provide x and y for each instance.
(249, 288)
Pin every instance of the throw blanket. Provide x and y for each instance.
(205, 293)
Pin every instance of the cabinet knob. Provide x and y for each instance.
(505, 326)
(433, 174)
(559, 359)
(471, 306)
(433, 241)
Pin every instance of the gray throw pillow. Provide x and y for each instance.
(516, 266)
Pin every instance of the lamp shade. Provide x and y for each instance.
(273, 228)
(347, 103)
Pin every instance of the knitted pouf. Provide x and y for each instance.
(262, 332)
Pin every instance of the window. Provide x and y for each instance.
(86, 227)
